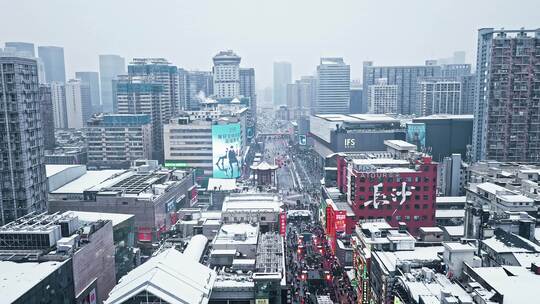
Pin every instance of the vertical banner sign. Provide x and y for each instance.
(302, 140)
(416, 135)
(282, 223)
(226, 150)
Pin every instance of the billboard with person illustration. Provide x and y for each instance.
(416, 135)
(226, 150)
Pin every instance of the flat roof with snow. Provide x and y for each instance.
(51, 170)
(87, 181)
(115, 218)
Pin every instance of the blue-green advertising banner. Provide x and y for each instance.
(226, 150)
(416, 135)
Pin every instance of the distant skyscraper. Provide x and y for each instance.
(47, 116)
(91, 79)
(23, 182)
(53, 61)
(356, 105)
(382, 97)
(301, 96)
(333, 86)
(440, 95)
(405, 77)
(58, 96)
(506, 114)
(468, 91)
(282, 77)
(195, 83)
(110, 66)
(247, 87)
(78, 106)
(142, 95)
(226, 74)
(23, 47)
(160, 71)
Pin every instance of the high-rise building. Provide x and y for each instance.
(507, 107)
(468, 91)
(58, 96)
(91, 79)
(247, 87)
(282, 77)
(78, 106)
(47, 116)
(226, 74)
(301, 96)
(142, 95)
(405, 77)
(357, 104)
(23, 182)
(194, 86)
(23, 47)
(333, 86)
(440, 95)
(53, 62)
(110, 66)
(160, 71)
(115, 140)
(382, 97)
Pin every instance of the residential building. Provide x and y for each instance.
(382, 97)
(247, 87)
(78, 104)
(116, 140)
(47, 116)
(282, 77)
(506, 115)
(440, 96)
(142, 95)
(226, 72)
(23, 183)
(405, 77)
(58, 96)
(468, 91)
(53, 62)
(110, 66)
(160, 71)
(91, 79)
(452, 176)
(333, 86)
(301, 96)
(387, 185)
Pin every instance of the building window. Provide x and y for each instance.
(398, 217)
(416, 206)
(407, 218)
(426, 197)
(362, 206)
(388, 218)
(416, 218)
(416, 197)
(426, 206)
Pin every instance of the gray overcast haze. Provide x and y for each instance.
(189, 33)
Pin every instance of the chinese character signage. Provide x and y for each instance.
(397, 195)
(282, 223)
(226, 150)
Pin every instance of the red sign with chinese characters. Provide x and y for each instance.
(282, 223)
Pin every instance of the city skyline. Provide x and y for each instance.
(350, 36)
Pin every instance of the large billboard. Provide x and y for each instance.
(226, 150)
(416, 135)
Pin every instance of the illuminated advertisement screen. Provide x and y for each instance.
(226, 150)
(416, 134)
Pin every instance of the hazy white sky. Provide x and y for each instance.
(189, 33)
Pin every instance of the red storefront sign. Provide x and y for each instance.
(144, 234)
(282, 223)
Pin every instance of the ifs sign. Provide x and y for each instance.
(350, 143)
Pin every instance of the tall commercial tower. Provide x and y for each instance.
(382, 97)
(23, 47)
(247, 87)
(91, 79)
(53, 62)
(333, 86)
(47, 116)
(162, 72)
(357, 104)
(282, 77)
(301, 96)
(78, 106)
(440, 95)
(226, 74)
(58, 96)
(143, 95)
(405, 77)
(507, 108)
(110, 66)
(23, 182)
